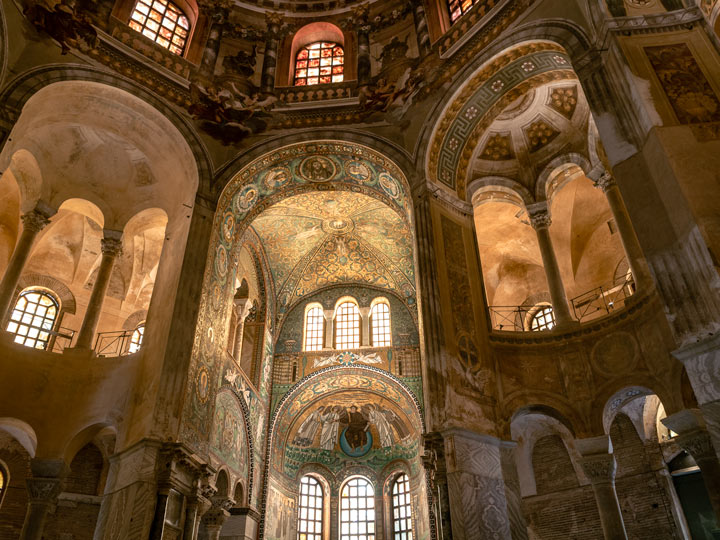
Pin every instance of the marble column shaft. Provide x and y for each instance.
(421, 28)
(33, 223)
(598, 463)
(365, 326)
(212, 46)
(364, 66)
(540, 221)
(42, 498)
(272, 42)
(111, 247)
(630, 242)
(242, 309)
(328, 314)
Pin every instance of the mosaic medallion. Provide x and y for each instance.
(317, 169)
(277, 177)
(338, 225)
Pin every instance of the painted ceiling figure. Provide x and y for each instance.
(357, 428)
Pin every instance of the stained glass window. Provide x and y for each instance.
(458, 8)
(321, 62)
(163, 22)
(314, 329)
(347, 326)
(357, 510)
(543, 319)
(402, 512)
(380, 322)
(33, 318)
(310, 509)
(136, 338)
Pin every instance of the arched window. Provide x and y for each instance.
(322, 62)
(163, 22)
(310, 509)
(380, 324)
(458, 8)
(347, 326)
(357, 510)
(3, 482)
(543, 319)
(401, 509)
(34, 318)
(314, 328)
(136, 338)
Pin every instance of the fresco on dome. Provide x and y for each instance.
(229, 441)
(317, 239)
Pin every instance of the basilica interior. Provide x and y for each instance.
(359, 269)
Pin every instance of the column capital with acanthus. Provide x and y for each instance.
(605, 182)
(539, 215)
(111, 246)
(35, 220)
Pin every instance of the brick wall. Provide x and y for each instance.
(12, 511)
(562, 509)
(645, 506)
(76, 514)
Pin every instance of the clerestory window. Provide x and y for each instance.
(322, 62)
(310, 509)
(163, 22)
(33, 318)
(402, 509)
(357, 510)
(380, 325)
(347, 326)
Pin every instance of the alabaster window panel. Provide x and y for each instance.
(310, 509)
(402, 509)
(380, 324)
(136, 338)
(314, 328)
(347, 326)
(543, 319)
(163, 22)
(33, 318)
(357, 510)
(458, 8)
(322, 62)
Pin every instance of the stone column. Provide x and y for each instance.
(329, 313)
(630, 242)
(216, 516)
(362, 28)
(476, 487)
(598, 463)
(212, 47)
(43, 489)
(242, 308)
(111, 247)
(365, 326)
(421, 28)
(33, 223)
(272, 42)
(694, 438)
(540, 221)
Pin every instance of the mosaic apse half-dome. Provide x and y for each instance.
(317, 239)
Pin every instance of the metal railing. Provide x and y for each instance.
(114, 343)
(587, 306)
(603, 300)
(60, 339)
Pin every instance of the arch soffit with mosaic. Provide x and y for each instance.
(239, 401)
(472, 108)
(339, 379)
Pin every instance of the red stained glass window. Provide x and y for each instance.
(321, 62)
(163, 22)
(458, 8)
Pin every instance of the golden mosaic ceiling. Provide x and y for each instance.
(318, 239)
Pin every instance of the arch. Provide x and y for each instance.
(239, 494)
(313, 327)
(357, 491)
(22, 432)
(380, 322)
(570, 37)
(222, 483)
(62, 291)
(18, 91)
(312, 508)
(320, 31)
(83, 437)
(547, 182)
(560, 412)
(618, 400)
(84, 208)
(23, 169)
(499, 189)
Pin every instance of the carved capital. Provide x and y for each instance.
(242, 307)
(274, 23)
(600, 468)
(539, 215)
(43, 490)
(34, 221)
(111, 247)
(698, 444)
(605, 182)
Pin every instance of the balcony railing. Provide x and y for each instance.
(114, 343)
(60, 339)
(587, 306)
(603, 300)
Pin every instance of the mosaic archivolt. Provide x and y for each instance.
(487, 93)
